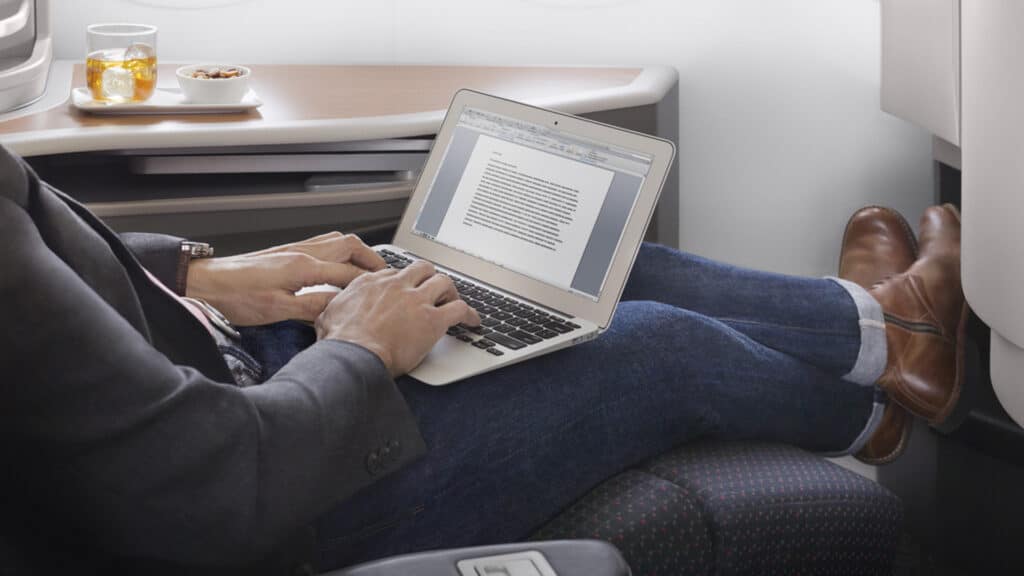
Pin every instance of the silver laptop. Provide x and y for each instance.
(537, 217)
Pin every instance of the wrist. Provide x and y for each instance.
(190, 253)
(197, 279)
(373, 347)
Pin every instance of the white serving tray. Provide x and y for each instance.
(163, 101)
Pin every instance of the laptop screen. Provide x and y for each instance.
(533, 199)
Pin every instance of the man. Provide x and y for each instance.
(135, 429)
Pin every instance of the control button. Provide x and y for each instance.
(373, 463)
(526, 563)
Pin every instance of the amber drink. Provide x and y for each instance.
(121, 63)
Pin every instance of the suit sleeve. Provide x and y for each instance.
(153, 459)
(160, 254)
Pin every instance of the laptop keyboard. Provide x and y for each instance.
(505, 323)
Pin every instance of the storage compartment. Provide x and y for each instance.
(247, 197)
(921, 64)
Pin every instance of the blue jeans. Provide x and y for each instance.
(696, 349)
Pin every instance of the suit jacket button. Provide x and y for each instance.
(373, 463)
(395, 446)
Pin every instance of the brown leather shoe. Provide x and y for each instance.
(925, 318)
(879, 244)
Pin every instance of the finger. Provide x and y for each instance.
(456, 312)
(417, 272)
(309, 271)
(363, 256)
(308, 306)
(439, 289)
(299, 246)
(342, 248)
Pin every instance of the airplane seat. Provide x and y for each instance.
(713, 507)
(708, 507)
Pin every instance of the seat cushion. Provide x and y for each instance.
(656, 524)
(754, 508)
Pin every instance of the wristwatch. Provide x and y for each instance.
(189, 251)
(196, 249)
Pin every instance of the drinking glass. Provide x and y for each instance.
(121, 62)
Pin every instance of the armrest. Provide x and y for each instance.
(565, 557)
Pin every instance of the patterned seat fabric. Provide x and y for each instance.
(740, 508)
(658, 526)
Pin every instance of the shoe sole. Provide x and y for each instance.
(908, 234)
(943, 417)
(900, 447)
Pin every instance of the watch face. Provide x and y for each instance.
(197, 249)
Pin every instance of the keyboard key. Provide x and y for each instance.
(483, 343)
(525, 337)
(490, 322)
(504, 328)
(510, 307)
(517, 322)
(464, 337)
(506, 341)
(546, 334)
(485, 309)
(454, 331)
(573, 326)
(531, 328)
(476, 329)
(558, 327)
(501, 315)
(494, 351)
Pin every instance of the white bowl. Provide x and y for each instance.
(213, 90)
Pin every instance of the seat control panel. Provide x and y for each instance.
(528, 563)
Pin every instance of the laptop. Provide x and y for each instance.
(537, 217)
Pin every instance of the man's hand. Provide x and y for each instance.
(398, 315)
(259, 287)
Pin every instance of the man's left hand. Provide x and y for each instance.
(259, 287)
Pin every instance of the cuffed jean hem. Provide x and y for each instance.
(873, 353)
(877, 411)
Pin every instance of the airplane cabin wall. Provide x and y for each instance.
(781, 136)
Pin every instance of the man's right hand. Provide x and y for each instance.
(397, 315)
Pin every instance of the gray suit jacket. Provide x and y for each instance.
(122, 434)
